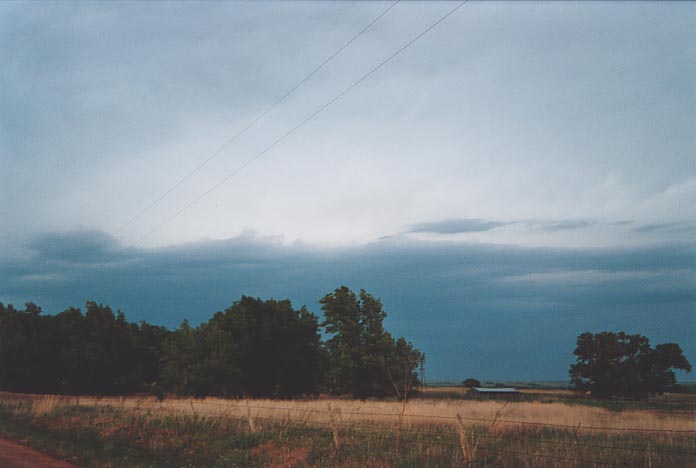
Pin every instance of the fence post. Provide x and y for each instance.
(462, 440)
(334, 427)
(648, 456)
(250, 419)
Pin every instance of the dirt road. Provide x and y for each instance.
(14, 455)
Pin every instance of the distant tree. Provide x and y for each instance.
(276, 348)
(254, 347)
(617, 364)
(363, 358)
(111, 363)
(20, 355)
(148, 343)
(69, 344)
(469, 383)
(181, 362)
(100, 352)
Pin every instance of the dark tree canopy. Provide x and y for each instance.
(364, 359)
(617, 364)
(98, 352)
(253, 348)
(471, 382)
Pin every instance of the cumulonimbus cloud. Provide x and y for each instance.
(508, 305)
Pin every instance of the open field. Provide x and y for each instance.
(141, 431)
(670, 402)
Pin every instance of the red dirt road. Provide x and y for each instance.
(14, 455)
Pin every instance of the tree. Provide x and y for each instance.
(469, 383)
(111, 362)
(254, 347)
(182, 353)
(99, 352)
(276, 348)
(617, 364)
(20, 356)
(364, 359)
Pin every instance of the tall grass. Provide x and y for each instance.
(416, 412)
(334, 432)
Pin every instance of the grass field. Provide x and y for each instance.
(141, 431)
(671, 402)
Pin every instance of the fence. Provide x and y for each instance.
(467, 440)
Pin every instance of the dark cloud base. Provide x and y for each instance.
(458, 225)
(468, 225)
(497, 312)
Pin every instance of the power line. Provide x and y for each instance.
(241, 132)
(255, 120)
(293, 129)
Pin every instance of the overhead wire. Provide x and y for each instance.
(292, 130)
(256, 119)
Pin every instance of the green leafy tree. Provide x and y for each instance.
(68, 341)
(471, 382)
(100, 352)
(617, 364)
(276, 348)
(110, 361)
(363, 358)
(182, 356)
(148, 343)
(254, 347)
(20, 355)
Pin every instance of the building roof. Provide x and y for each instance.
(495, 390)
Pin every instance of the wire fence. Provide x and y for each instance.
(575, 428)
(483, 441)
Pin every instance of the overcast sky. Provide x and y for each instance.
(521, 174)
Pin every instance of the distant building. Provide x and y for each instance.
(497, 393)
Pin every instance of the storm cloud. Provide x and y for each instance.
(504, 112)
(468, 225)
(485, 310)
(522, 173)
(453, 226)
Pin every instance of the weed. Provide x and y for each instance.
(132, 432)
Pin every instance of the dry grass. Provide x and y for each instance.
(275, 456)
(417, 412)
(45, 405)
(338, 432)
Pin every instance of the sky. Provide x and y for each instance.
(522, 173)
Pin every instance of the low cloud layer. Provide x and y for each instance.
(666, 228)
(564, 225)
(469, 225)
(552, 141)
(455, 226)
(475, 309)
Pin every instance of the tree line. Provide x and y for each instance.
(613, 364)
(252, 348)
